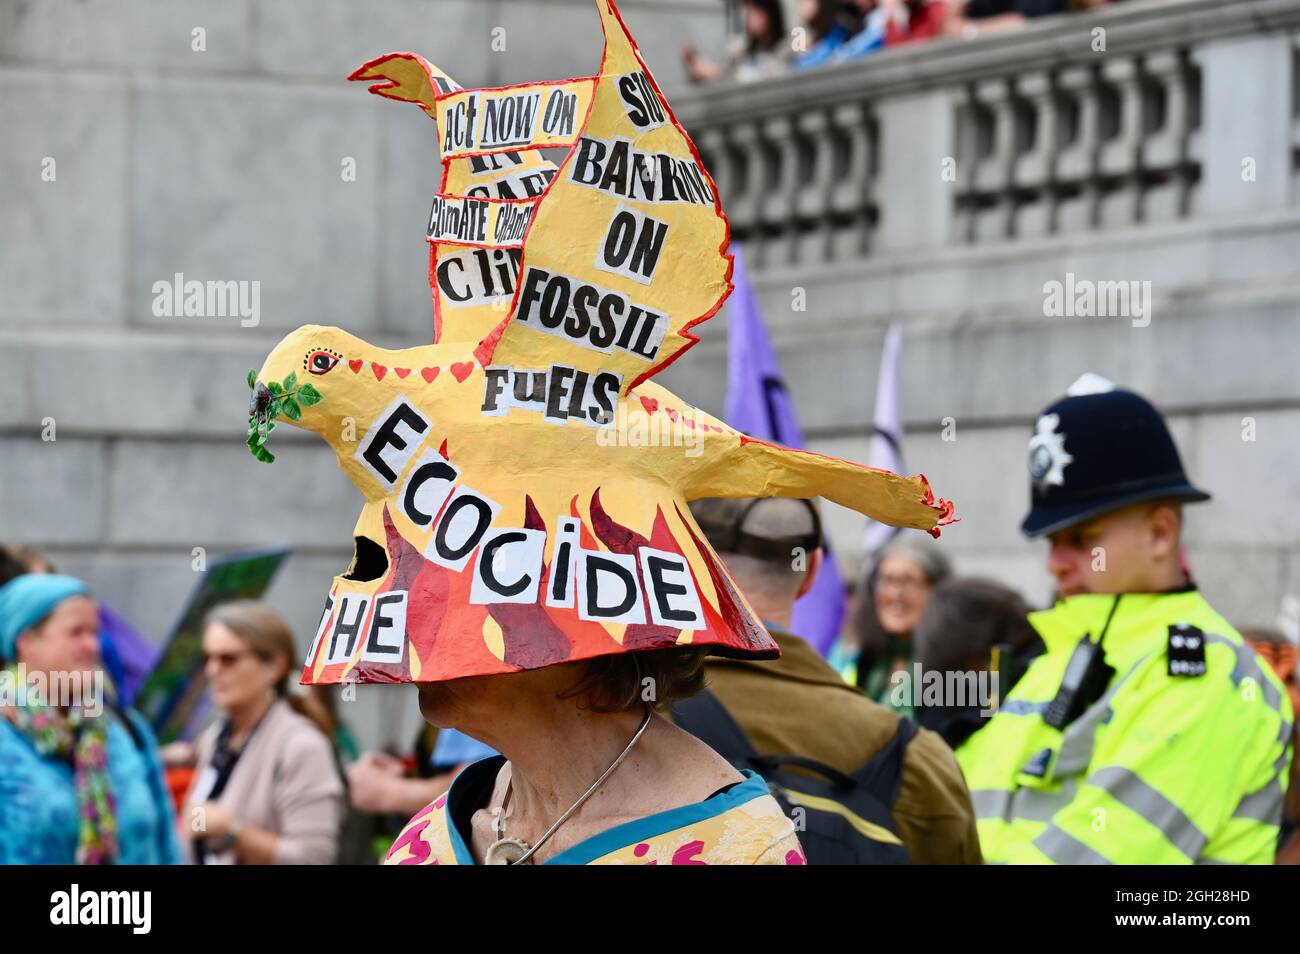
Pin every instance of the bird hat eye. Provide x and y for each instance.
(320, 362)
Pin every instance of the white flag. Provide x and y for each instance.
(886, 431)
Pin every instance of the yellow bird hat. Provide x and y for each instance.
(526, 482)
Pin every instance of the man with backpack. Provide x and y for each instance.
(863, 785)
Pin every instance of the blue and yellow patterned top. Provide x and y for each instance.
(743, 825)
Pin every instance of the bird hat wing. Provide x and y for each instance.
(626, 251)
(602, 264)
(472, 283)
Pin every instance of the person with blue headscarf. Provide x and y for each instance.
(80, 781)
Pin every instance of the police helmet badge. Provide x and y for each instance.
(1047, 455)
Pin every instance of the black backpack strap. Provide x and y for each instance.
(884, 773)
(704, 717)
(907, 730)
(827, 772)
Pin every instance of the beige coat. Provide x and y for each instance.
(286, 781)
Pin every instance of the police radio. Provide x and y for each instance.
(1087, 675)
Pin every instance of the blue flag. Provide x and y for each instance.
(759, 405)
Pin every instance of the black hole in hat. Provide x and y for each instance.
(369, 561)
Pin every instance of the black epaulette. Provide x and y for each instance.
(1186, 653)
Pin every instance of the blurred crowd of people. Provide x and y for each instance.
(838, 31)
(1129, 700)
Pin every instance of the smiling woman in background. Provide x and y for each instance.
(80, 780)
(890, 601)
(267, 789)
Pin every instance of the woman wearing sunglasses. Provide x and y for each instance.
(266, 788)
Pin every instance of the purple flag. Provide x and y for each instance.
(759, 405)
(128, 656)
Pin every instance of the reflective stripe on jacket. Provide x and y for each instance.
(1160, 770)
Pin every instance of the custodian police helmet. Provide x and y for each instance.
(1096, 450)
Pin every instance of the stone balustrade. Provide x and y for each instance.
(1076, 123)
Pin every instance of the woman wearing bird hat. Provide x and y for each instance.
(80, 782)
(525, 553)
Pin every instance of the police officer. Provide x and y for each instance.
(1147, 732)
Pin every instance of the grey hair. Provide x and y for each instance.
(865, 624)
(924, 552)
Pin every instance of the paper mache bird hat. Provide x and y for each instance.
(525, 479)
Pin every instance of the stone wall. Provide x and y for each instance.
(226, 164)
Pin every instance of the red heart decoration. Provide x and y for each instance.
(379, 369)
(429, 373)
(672, 414)
(689, 422)
(355, 364)
(462, 369)
(650, 405)
(401, 372)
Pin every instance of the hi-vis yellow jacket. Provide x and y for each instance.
(1162, 769)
